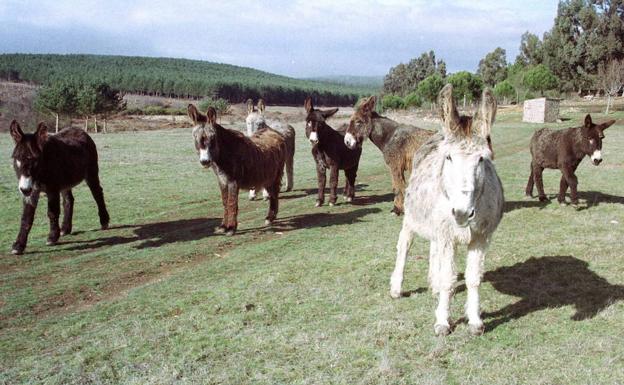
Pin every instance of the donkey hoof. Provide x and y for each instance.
(528, 196)
(17, 251)
(476, 329)
(332, 204)
(229, 232)
(65, 232)
(219, 229)
(104, 226)
(318, 204)
(442, 330)
(349, 199)
(395, 293)
(268, 222)
(51, 242)
(543, 199)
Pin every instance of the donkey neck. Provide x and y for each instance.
(383, 129)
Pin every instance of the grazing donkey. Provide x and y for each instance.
(239, 162)
(256, 121)
(564, 149)
(330, 151)
(397, 142)
(54, 165)
(454, 197)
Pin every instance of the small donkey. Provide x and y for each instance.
(53, 165)
(564, 149)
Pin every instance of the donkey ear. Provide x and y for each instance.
(448, 110)
(485, 115)
(308, 104)
(211, 115)
(16, 131)
(41, 134)
(368, 105)
(327, 113)
(606, 125)
(192, 112)
(250, 106)
(588, 121)
(261, 106)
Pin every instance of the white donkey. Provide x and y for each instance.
(454, 197)
(255, 120)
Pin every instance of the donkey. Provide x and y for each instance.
(397, 143)
(330, 151)
(239, 162)
(454, 197)
(255, 121)
(54, 165)
(564, 149)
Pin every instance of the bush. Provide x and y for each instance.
(430, 87)
(392, 102)
(221, 105)
(413, 100)
(504, 90)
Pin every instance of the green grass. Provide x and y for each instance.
(160, 299)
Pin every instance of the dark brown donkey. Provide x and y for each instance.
(397, 143)
(329, 151)
(239, 162)
(564, 149)
(53, 165)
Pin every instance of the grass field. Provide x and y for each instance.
(160, 299)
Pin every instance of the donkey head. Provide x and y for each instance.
(361, 123)
(466, 151)
(315, 119)
(205, 137)
(27, 155)
(593, 134)
(255, 118)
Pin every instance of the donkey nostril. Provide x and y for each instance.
(453, 211)
(472, 214)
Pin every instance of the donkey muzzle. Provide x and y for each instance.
(313, 137)
(463, 217)
(350, 141)
(596, 157)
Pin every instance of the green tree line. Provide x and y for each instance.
(175, 78)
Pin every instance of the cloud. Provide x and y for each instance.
(296, 38)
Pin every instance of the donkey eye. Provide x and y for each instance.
(448, 157)
(480, 159)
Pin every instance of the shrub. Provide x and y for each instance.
(221, 105)
(393, 102)
(413, 100)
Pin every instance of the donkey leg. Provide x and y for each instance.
(529, 187)
(273, 202)
(333, 185)
(563, 187)
(252, 194)
(54, 211)
(290, 158)
(573, 183)
(224, 200)
(396, 280)
(28, 216)
(265, 194)
(398, 181)
(539, 182)
(68, 212)
(93, 181)
(474, 273)
(322, 179)
(351, 174)
(443, 282)
(232, 208)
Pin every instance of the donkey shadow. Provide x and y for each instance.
(155, 234)
(551, 282)
(595, 198)
(525, 204)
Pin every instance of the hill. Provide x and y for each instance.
(372, 83)
(176, 78)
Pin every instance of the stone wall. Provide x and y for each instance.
(541, 110)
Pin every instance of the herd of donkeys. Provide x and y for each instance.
(444, 182)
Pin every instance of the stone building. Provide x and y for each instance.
(541, 110)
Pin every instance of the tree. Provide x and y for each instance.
(391, 102)
(493, 67)
(412, 100)
(86, 103)
(504, 90)
(611, 79)
(531, 50)
(57, 98)
(466, 86)
(540, 78)
(430, 87)
(404, 78)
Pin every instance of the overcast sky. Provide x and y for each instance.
(294, 38)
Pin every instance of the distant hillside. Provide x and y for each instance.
(176, 78)
(372, 83)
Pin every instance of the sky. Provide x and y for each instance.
(299, 38)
